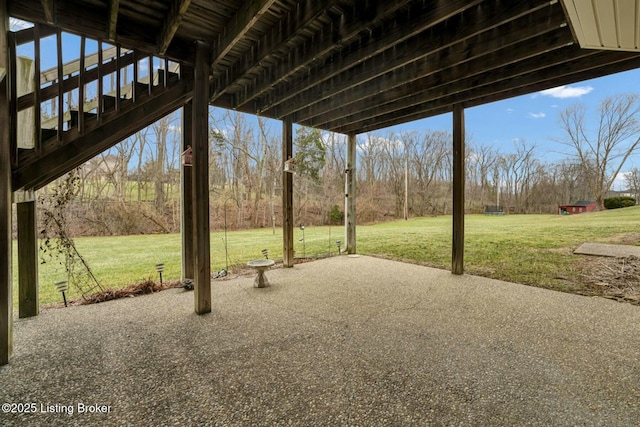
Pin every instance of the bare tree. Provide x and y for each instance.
(632, 179)
(427, 156)
(604, 152)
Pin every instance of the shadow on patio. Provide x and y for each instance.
(342, 341)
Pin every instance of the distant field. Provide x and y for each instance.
(529, 249)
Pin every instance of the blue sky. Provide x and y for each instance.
(534, 117)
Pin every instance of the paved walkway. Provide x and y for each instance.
(603, 249)
(342, 341)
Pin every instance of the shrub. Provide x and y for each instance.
(335, 215)
(619, 202)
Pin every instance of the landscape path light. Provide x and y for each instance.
(160, 270)
(63, 286)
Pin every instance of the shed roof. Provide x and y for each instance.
(581, 203)
(350, 66)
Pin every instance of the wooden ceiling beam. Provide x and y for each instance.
(605, 63)
(341, 31)
(91, 23)
(49, 13)
(346, 71)
(383, 38)
(244, 19)
(114, 6)
(516, 41)
(272, 41)
(177, 10)
(482, 72)
(584, 65)
(487, 82)
(27, 35)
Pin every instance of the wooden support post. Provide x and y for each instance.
(27, 259)
(457, 259)
(200, 192)
(60, 113)
(81, 88)
(186, 197)
(350, 196)
(287, 194)
(6, 307)
(37, 113)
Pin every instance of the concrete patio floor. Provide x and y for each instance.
(341, 341)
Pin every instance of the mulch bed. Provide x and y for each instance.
(614, 278)
(145, 287)
(142, 288)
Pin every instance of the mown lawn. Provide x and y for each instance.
(530, 249)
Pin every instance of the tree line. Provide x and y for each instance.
(135, 186)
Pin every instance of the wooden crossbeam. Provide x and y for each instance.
(341, 74)
(242, 21)
(461, 61)
(112, 24)
(28, 35)
(177, 10)
(298, 92)
(344, 28)
(582, 66)
(91, 21)
(275, 39)
(49, 13)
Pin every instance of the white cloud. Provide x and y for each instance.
(510, 110)
(567, 91)
(620, 182)
(537, 115)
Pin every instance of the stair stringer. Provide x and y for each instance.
(57, 159)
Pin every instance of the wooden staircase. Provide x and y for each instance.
(64, 116)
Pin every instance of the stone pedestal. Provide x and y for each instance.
(261, 265)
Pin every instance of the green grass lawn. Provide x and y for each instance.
(530, 249)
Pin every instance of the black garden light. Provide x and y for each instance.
(338, 244)
(265, 253)
(63, 287)
(160, 270)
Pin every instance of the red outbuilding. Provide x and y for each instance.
(581, 206)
